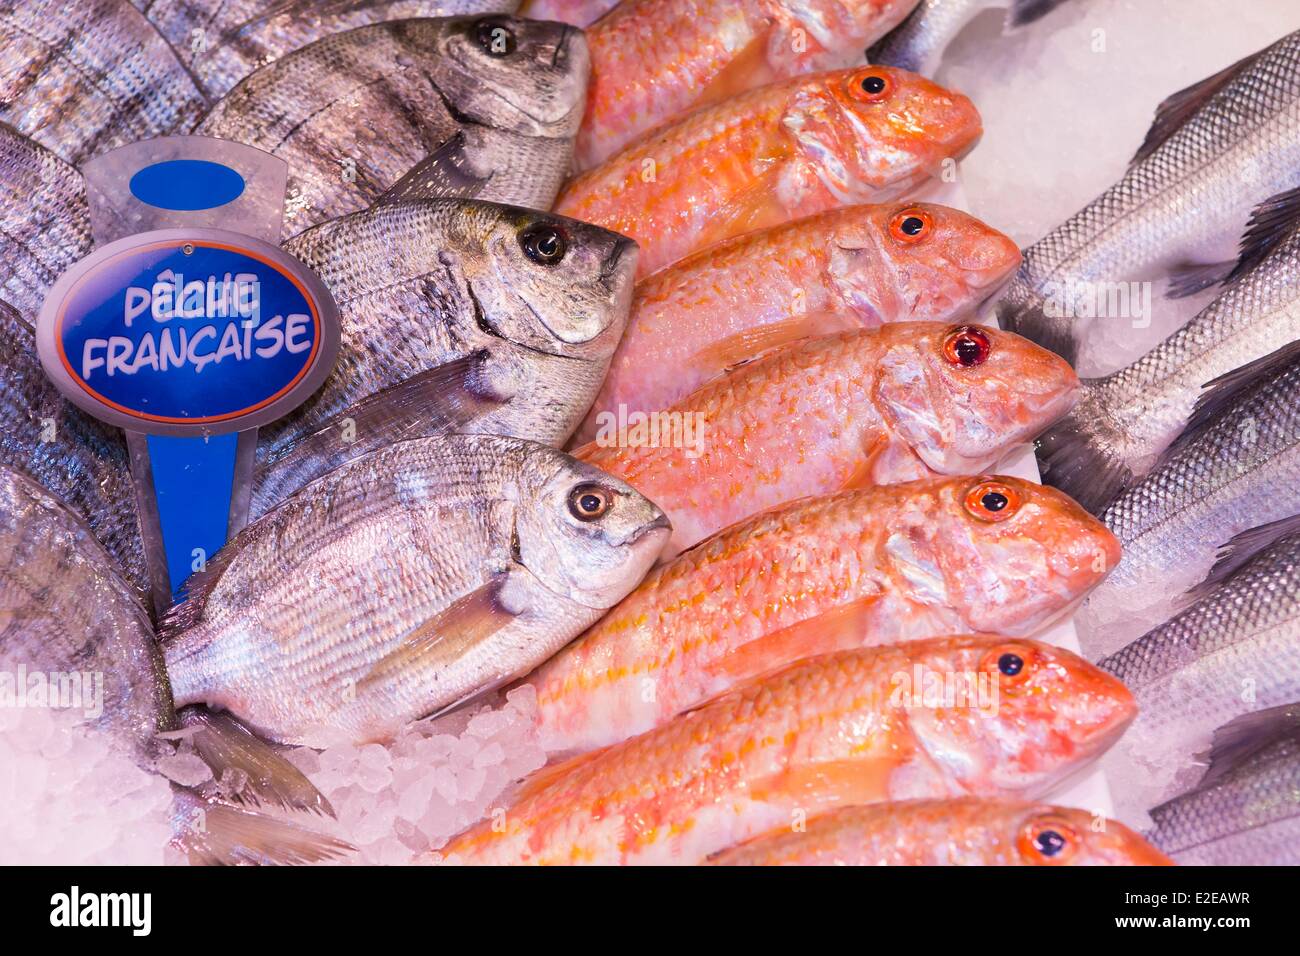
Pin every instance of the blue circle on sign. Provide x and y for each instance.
(187, 184)
(193, 333)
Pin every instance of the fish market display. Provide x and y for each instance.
(67, 618)
(80, 460)
(773, 154)
(1216, 150)
(580, 13)
(842, 729)
(918, 43)
(652, 60)
(863, 568)
(1235, 467)
(1230, 653)
(44, 220)
(861, 265)
(961, 832)
(222, 42)
(1247, 810)
(456, 316)
(82, 78)
(405, 582)
(868, 407)
(1123, 421)
(494, 102)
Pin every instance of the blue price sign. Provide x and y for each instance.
(188, 332)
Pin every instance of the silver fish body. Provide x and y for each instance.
(1216, 151)
(44, 220)
(1230, 653)
(1126, 419)
(82, 78)
(450, 326)
(81, 461)
(354, 112)
(65, 610)
(1236, 467)
(1250, 816)
(406, 582)
(917, 44)
(222, 41)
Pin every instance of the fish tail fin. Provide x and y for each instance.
(217, 834)
(1024, 312)
(1240, 551)
(1023, 12)
(1082, 454)
(223, 743)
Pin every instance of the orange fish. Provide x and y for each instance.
(881, 566)
(774, 154)
(652, 60)
(961, 832)
(850, 267)
(954, 716)
(868, 407)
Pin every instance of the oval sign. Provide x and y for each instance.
(188, 331)
(187, 185)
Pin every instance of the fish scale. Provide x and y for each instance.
(1239, 470)
(1240, 147)
(1246, 628)
(82, 78)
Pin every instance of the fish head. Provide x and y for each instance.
(585, 534)
(1006, 555)
(552, 284)
(878, 129)
(961, 396)
(935, 262)
(525, 76)
(1067, 836)
(1014, 715)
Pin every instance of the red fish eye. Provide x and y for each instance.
(1047, 840)
(992, 501)
(911, 225)
(966, 346)
(872, 86)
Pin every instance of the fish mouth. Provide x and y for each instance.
(623, 246)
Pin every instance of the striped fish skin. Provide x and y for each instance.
(64, 608)
(1250, 817)
(1186, 201)
(425, 287)
(1126, 419)
(1230, 653)
(404, 583)
(44, 220)
(1239, 469)
(960, 832)
(417, 84)
(222, 41)
(837, 730)
(80, 460)
(82, 78)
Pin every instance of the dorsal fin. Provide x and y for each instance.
(1241, 550)
(1177, 109)
(1227, 389)
(1272, 222)
(1238, 740)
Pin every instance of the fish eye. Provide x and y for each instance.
(1048, 840)
(873, 86)
(589, 502)
(911, 225)
(1011, 662)
(544, 244)
(992, 501)
(966, 346)
(495, 38)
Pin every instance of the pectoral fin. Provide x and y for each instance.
(748, 344)
(747, 70)
(829, 784)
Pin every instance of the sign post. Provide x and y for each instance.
(188, 328)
